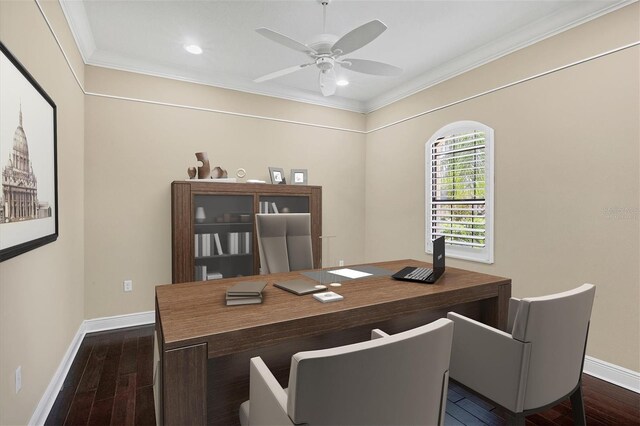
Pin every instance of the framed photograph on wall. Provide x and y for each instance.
(277, 175)
(298, 177)
(28, 162)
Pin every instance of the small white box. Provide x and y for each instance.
(327, 296)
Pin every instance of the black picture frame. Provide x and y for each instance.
(28, 161)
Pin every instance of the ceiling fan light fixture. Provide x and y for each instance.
(326, 50)
(193, 49)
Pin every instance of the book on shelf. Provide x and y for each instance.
(239, 242)
(248, 242)
(200, 273)
(218, 245)
(205, 245)
(268, 207)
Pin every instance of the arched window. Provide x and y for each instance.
(459, 190)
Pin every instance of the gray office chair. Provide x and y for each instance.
(536, 366)
(299, 248)
(391, 379)
(284, 242)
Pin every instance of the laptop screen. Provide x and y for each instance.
(438, 255)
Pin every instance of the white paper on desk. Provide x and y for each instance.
(350, 273)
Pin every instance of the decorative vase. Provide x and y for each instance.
(204, 171)
(200, 216)
(192, 171)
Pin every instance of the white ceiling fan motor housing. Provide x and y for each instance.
(323, 43)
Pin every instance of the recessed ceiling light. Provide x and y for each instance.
(342, 83)
(193, 48)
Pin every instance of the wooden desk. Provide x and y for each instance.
(205, 346)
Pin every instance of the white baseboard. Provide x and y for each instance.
(88, 326)
(612, 373)
(119, 321)
(46, 402)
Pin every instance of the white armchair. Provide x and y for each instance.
(536, 366)
(391, 379)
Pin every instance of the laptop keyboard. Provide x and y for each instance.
(419, 274)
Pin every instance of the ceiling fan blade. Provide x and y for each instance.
(371, 67)
(361, 36)
(285, 41)
(277, 74)
(327, 80)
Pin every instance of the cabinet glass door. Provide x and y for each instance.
(223, 236)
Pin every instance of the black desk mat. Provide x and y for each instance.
(324, 276)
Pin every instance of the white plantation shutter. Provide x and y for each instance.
(459, 190)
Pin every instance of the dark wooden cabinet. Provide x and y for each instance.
(213, 225)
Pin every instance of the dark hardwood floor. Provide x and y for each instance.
(110, 383)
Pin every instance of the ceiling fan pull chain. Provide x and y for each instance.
(324, 17)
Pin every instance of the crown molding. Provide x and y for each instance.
(75, 14)
(486, 54)
(230, 83)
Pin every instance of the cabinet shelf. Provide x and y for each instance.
(218, 224)
(219, 256)
(234, 202)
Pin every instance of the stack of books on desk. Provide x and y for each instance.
(245, 293)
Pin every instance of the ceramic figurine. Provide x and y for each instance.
(204, 171)
(218, 172)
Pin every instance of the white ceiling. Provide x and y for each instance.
(430, 40)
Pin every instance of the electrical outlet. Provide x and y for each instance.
(340, 262)
(18, 379)
(127, 285)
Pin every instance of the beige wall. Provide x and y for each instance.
(42, 291)
(134, 150)
(566, 150)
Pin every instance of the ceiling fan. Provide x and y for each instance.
(326, 51)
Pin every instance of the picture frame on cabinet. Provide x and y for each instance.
(298, 177)
(28, 161)
(277, 175)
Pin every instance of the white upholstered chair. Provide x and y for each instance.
(391, 379)
(536, 366)
(284, 242)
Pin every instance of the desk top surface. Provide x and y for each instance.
(192, 313)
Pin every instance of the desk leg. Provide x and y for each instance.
(495, 311)
(184, 377)
(503, 307)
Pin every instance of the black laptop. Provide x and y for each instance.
(425, 275)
